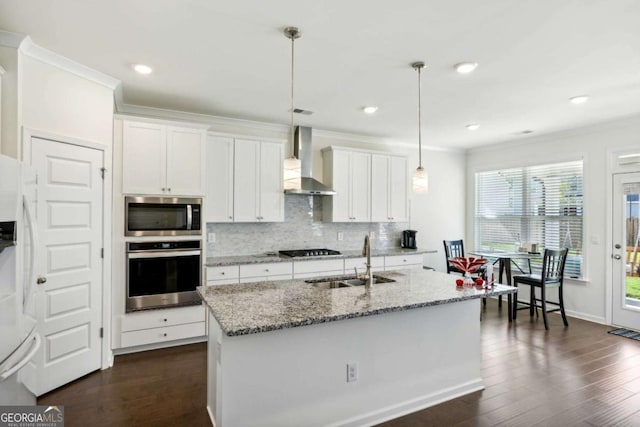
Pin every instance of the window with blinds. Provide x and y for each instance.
(537, 204)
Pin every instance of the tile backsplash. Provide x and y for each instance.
(302, 228)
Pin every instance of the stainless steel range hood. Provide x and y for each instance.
(302, 150)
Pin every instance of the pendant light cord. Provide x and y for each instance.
(419, 116)
(291, 110)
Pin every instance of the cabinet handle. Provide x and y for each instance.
(164, 335)
(164, 320)
(169, 190)
(266, 269)
(164, 189)
(222, 273)
(230, 217)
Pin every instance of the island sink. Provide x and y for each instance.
(345, 282)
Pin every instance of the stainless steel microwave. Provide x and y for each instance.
(162, 216)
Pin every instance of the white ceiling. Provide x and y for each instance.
(230, 58)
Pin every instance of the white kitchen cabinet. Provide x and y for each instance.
(389, 184)
(156, 326)
(377, 264)
(218, 201)
(162, 159)
(258, 193)
(223, 275)
(401, 262)
(348, 172)
(317, 268)
(266, 272)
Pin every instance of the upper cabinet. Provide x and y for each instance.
(389, 181)
(348, 172)
(244, 180)
(371, 187)
(162, 159)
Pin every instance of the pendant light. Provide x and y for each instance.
(420, 177)
(292, 165)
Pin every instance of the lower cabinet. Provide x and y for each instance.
(224, 275)
(265, 272)
(157, 326)
(377, 264)
(400, 262)
(317, 268)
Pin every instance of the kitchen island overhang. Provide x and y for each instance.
(278, 351)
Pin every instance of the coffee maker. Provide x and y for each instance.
(409, 239)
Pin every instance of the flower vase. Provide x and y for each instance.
(468, 280)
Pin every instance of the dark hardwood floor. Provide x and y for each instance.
(578, 376)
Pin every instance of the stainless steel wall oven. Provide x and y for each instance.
(161, 274)
(162, 216)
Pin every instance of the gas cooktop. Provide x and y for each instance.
(296, 253)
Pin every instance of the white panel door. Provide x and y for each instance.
(626, 241)
(398, 189)
(143, 158)
(380, 170)
(246, 185)
(271, 182)
(218, 201)
(185, 161)
(69, 304)
(360, 186)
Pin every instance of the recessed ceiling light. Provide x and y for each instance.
(142, 69)
(465, 67)
(370, 110)
(581, 99)
(473, 126)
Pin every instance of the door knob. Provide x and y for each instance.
(41, 280)
(616, 257)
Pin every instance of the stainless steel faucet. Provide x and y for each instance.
(366, 251)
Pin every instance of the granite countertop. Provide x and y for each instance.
(265, 306)
(274, 257)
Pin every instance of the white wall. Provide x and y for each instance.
(60, 102)
(586, 298)
(9, 104)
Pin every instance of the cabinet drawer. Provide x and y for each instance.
(169, 333)
(401, 261)
(162, 318)
(377, 264)
(332, 266)
(265, 278)
(266, 269)
(228, 273)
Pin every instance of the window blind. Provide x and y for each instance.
(540, 204)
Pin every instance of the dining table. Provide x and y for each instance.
(505, 260)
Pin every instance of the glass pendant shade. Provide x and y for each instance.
(292, 174)
(420, 181)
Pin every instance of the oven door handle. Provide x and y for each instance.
(189, 217)
(173, 254)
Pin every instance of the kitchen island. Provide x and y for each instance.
(291, 353)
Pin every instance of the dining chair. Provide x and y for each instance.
(551, 276)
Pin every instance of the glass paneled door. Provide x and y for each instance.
(626, 250)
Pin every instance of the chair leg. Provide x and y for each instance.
(515, 302)
(509, 307)
(484, 301)
(543, 301)
(561, 301)
(500, 301)
(532, 300)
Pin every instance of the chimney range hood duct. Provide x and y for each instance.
(302, 150)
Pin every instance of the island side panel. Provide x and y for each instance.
(407, 360)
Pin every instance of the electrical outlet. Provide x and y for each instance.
(340, 235)
(352, 372)
(372, 235)
(211, 238)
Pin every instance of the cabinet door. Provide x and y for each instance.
(360, 187)
(339, 205)
(218, 201)
(380, 172)
(143, 158)
(398, 189)
(246, 185)
(271, 182)
(185, 161)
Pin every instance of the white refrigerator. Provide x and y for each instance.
(19, 339)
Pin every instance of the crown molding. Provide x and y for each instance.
(9, 39)
(253, 125)
(29, 48)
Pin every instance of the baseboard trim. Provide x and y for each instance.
(409, 406)
(588, 317)
(156, 346)
(213, 421)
